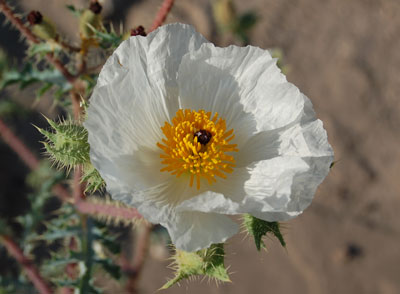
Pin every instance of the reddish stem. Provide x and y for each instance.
(162, 14)
(141, 248)
(30, 269)
(78, 193)
(93, 208)
(26, 155)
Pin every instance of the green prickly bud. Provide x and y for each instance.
(89, 19)
(207, 262)
(68, 145)
(258, 228)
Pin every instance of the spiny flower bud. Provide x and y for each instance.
(139, 31)
(41, 26)
(208, 262)
(68, 146)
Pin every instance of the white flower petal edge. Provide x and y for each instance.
(135, 94)
(283, 149)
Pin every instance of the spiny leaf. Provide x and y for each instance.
(207, 262)
(259, 228)
(42, 90)
(29, 75)
(108, 266)
(43, 48)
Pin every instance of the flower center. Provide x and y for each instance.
(197, 145)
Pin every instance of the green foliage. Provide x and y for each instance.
(68, 145)
(207, 262)
(30, 75)
(258, 228)
(88, 22)
(12, 286)
(9, 108)
(228, 20)
(43, 48)
(93, 250)
(244, 24)
(74, 11)
(107, 39)
(92, 178)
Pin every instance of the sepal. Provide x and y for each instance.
(259, 228)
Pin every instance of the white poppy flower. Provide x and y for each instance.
(189, 133)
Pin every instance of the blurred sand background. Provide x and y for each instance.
(345, 56)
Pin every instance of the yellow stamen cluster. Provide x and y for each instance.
(184, 154)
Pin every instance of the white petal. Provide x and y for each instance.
(275, 190)
(191, 231)
(243, 85)
(136, 94)
(277, 175)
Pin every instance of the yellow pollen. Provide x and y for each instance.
(187, 153)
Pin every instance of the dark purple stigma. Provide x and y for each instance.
(95, 7)
(35, 17)
(203, 136)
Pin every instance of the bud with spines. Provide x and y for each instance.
(206, 262)
(68, 147)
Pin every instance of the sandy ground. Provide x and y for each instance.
(344, 55)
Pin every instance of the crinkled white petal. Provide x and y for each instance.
(244, 85)
(277, 174)
(135, 95)
(191, 231)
